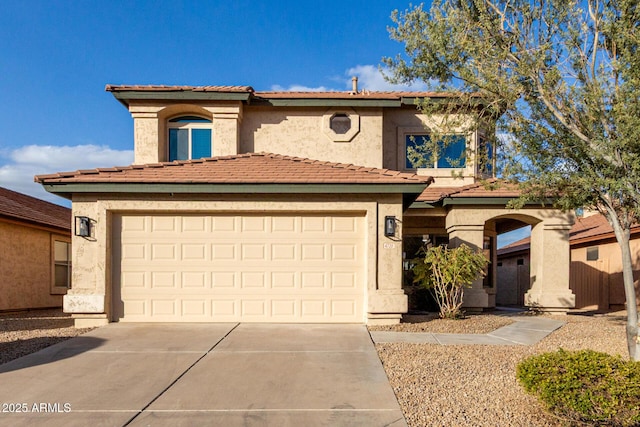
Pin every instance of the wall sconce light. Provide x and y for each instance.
(389, 226)
(83, 226)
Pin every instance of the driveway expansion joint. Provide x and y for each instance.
(181, 375)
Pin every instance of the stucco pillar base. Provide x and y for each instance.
(77, 303)
(387, 307)
(81, 321)
(477, 300)
(384, 318)
(559, 301)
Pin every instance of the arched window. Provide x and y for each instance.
(189, 138)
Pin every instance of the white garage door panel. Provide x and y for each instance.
(242, 268)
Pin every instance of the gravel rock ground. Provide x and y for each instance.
(476, 385)
(26, 332)
(473, 324)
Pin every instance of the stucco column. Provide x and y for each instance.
(145, 130)
(550, 261)
(472, 235)
(388, 302)
(226, 131)
(87, 298)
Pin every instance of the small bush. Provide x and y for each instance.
(585, 386)
(446, 272)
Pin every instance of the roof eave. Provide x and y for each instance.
(179, 95)
(325, 102)
(67, 189)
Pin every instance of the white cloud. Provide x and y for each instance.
(300, 88)
(30, 160)
(513, 236)
(370, 77)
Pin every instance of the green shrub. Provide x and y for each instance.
(446, 272)
(585, 386)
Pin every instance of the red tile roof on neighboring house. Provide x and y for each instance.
(20, 207)
(251, 168)
(488, 188)
(586, 229)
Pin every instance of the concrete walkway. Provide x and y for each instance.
(523, 331)
(202, 374)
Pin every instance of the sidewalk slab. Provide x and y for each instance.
(521, 332)
(527, 332)
(470, 339)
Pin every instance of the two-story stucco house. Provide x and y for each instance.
(284, 207)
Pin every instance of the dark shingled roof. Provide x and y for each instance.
(20, 207)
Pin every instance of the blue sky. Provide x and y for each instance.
(57, 56)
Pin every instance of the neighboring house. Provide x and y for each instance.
(596, 266)
(286, 207)
(35, 252)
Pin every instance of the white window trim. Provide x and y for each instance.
(59, 290)
(187, 125)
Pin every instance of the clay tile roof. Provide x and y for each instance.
(251, 168)
(18, 206)
(489, 188)
(363, 94)
(177, 88)
(517, 246)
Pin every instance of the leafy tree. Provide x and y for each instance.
(563, 76)
(446, 272)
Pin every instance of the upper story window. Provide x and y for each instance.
(340, 123)
(189, 138)
(422, 152)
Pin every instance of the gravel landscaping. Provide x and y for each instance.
(460, 385)
(475, 385)
(26, 332)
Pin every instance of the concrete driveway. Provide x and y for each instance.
(202, 374)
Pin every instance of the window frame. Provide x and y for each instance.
(484, 144)
(354, 127)
(405, 133)
(592, 253)
(190, 126)
(56, 289)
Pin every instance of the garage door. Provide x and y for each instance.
(249, 268)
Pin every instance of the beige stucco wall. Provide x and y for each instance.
(376, 138)
(301, 132)
(26, 267)
(150, 130)
(90, 297)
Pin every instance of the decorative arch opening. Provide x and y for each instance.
(187, 132)
(510, 252)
